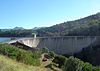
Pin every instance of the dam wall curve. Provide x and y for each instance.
(62, 45)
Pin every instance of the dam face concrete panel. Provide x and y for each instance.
(62, 45)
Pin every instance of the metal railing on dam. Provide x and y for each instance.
(61, 44)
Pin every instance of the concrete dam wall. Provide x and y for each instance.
(62, 45)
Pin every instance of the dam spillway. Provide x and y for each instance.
(63, 44)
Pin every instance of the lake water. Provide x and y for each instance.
(4, 39)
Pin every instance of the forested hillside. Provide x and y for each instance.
(16, 33)
(88, 26)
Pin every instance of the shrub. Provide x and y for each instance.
(26, 57)
(37, 54)
(96, 69)
(59, 59)
(51, 54)
(10, 51)
(87, 67)
(44, 50)
(73, 64)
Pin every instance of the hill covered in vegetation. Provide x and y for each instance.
(88, 26)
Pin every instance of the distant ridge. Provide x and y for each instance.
(18, 28)
(15, 28)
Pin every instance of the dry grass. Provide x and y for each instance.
(7, 64)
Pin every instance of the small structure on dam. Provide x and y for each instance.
(61, 45)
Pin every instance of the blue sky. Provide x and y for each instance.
(39, 13)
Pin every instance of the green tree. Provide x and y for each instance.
(87, 67)
(73, 64)
(51, 54)
(59, 59)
